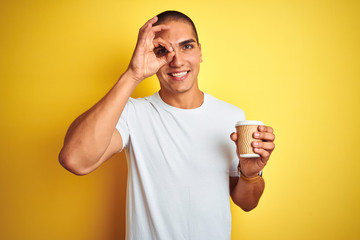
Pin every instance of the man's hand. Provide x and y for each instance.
(250, 167)
(144, 62)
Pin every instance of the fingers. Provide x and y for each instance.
(163, 51)
(159, 42)
(265, 155)
(147, 31)
(160, 28)
(264, 135)
(263, 128)
(268, 146)
(150, 32)
(145, 28)
(149, 23)
(170, 56)
(166, 58)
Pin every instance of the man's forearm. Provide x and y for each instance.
(247, 195)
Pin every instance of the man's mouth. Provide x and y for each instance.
(178, 75)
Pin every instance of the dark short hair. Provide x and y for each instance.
(176, 16)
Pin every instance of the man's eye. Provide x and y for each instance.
(161, 51)
(188, 46)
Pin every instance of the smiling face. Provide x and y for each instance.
(179, 75)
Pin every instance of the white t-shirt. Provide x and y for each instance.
(179, 163)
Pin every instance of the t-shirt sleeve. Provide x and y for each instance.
(233, 171)
(122, 125)
(234, 168)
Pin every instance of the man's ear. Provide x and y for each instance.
(201, 60)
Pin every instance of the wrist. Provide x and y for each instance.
(252, 179)
(130, 75)
(248, 175)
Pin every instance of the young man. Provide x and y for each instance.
(181, 161)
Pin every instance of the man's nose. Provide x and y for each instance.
(177, 60)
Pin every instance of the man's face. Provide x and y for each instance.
(179, 75)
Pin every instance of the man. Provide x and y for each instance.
(181, 162)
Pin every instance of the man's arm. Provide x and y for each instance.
(92, 138)
(246, 195)
(244, 191)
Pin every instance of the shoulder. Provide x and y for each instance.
(224, 107)
(140, 101)
(141, 106)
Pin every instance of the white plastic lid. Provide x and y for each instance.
(248, 122)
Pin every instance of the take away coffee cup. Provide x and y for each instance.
(245, 131)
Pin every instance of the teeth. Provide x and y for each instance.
(180, 74)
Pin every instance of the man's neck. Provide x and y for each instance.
(186, 100)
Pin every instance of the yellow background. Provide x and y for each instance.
(292, 64)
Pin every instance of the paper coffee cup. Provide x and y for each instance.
(245, 131)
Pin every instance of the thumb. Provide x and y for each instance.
(168, 57)
(234, 136)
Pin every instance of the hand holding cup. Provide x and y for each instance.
(254, 145)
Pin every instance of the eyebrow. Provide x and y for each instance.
(186, 42)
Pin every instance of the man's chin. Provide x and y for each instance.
(177, 90)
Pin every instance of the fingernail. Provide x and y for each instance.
(256, 143)
(257, 134)
(256, 149)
